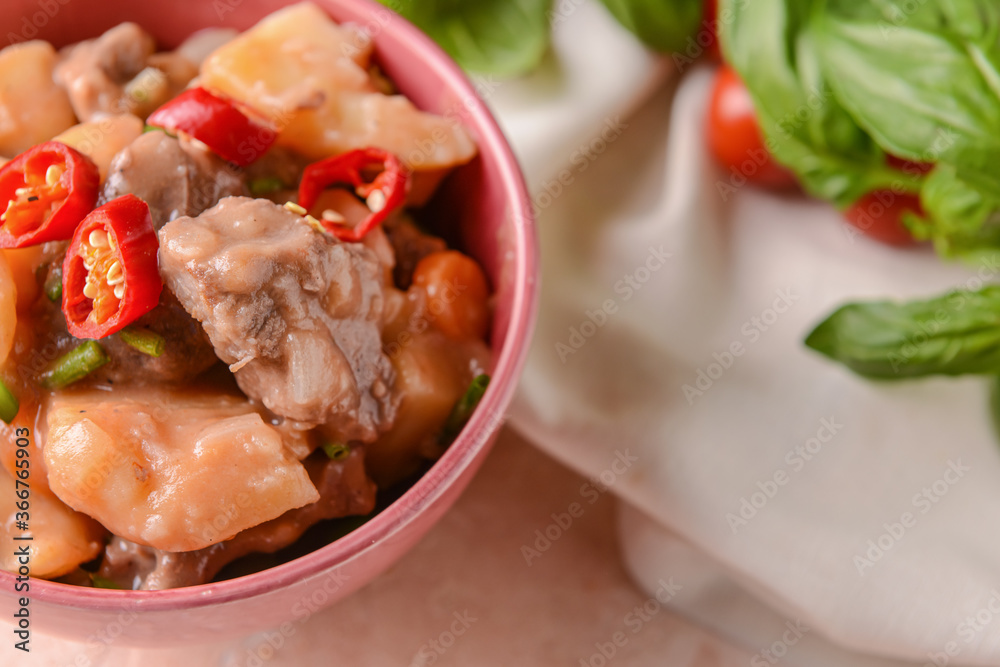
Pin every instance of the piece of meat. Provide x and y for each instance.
(297, 314)
(344, 488)
(188, 352)
(175, 178)
(119, 72)
(175, 470)
(282, 164)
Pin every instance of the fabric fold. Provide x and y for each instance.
(674, 308)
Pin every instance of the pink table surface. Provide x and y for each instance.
(465, 596)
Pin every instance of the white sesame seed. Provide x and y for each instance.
(315, 224)
(295, 208)
(376, 201)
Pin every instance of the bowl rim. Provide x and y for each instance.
(476, 435)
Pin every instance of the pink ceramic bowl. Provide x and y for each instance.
(497, 228)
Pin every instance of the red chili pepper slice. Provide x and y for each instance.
(45, 191)
(216, 122)
(111, 273)
(384, 193)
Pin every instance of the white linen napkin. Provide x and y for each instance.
(817, 517)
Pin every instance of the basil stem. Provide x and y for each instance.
(75, 365)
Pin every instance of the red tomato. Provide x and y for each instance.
(111, 277)
(48, 190)
(734, 136)
(879, 214)
(217, 123)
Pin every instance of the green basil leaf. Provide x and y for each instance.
(922, 79)
(501, 37)
(773, 46)
(956, 334)
(663, 26)
(963, 219)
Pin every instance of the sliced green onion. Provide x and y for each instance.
(101, 582)
(463, 410)
(75, 365)
(337, 451)
(143, 340)
(9, 404)
(261, 187)
(54, 285)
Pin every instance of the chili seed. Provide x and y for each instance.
(53, 174)
(376, 201)
(98, 238)
(116, 275)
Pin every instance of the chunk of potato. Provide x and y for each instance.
(204, 43)
(174, 471)
(33, 109)
(101, 140)
(24, 262)
(309, 77)
(290, 61)
(432, 373)
(8, 308)
(61, 538)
